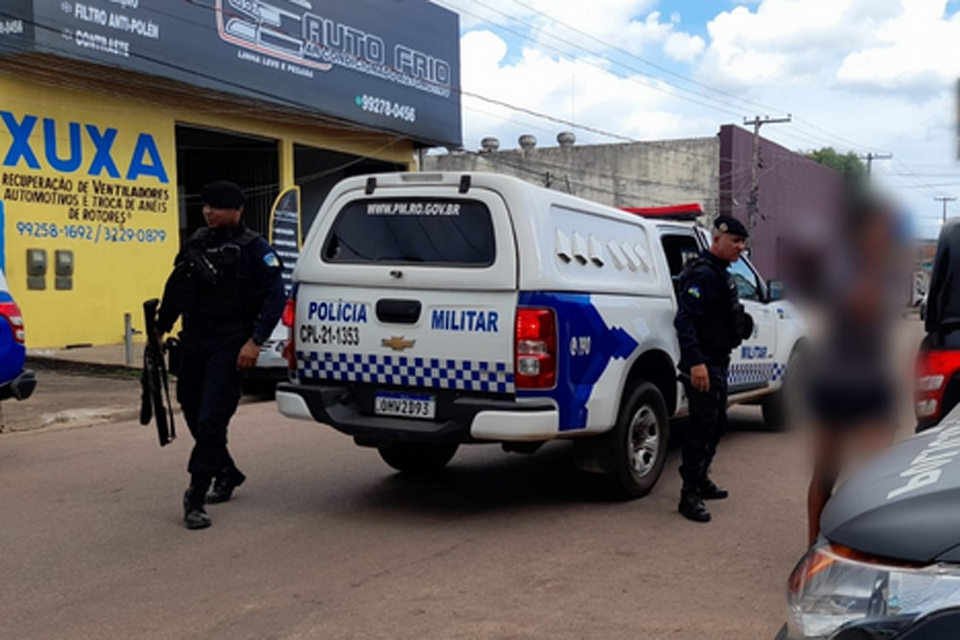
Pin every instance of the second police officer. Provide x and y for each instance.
(227, 287)
(710, 323)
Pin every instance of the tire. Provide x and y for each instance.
(779, 409)
(417, 458)
(638, 442)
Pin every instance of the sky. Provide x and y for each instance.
(866, 76)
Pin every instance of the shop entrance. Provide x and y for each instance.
(206, 155)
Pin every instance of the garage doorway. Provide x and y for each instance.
(205, 155)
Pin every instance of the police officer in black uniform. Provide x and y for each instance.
(710, 323)
(227, 286)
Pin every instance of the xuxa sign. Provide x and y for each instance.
(390, 65)
(65, 154)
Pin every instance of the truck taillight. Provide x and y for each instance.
(934, 370)
(536, 349)
(288, 319)
(10, 312)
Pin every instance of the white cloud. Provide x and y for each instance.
(572, 90)
(684, 47)
(573, 25)
(918, 51)
(788, 40)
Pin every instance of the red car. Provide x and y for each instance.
(938, 363)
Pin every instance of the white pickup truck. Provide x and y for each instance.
(438, 309)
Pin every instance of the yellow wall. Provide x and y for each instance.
(123, 248)
(123, 240)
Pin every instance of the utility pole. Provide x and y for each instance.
(944, 200)
(753, 204)
(870, 157)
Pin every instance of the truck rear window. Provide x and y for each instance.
(422, 231)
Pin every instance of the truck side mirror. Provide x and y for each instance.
(775, 287)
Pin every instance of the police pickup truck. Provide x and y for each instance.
(437, 309)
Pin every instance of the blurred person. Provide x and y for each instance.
(227, 286)
(710, 323)
(851, 386)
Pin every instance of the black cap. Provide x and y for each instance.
(223, 194)
(729, 224)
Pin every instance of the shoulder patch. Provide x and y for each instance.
(271, 260)
(694, 291)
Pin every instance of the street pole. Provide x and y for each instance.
(753, 204)
(944, 200)
(870, 157)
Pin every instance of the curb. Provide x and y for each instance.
(61, 365)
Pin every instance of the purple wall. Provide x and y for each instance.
(798, 198)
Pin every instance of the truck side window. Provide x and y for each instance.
(679, 250)
(746, 280)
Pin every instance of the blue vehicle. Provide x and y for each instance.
(15, 381)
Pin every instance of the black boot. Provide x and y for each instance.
(224, 485)
(710, 491)
(194, 515)
(691, 506)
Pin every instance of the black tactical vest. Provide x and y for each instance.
(727, 323)
(213, 282)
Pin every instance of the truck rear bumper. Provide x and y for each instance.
(473, 419)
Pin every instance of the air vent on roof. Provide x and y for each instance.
(489, 144)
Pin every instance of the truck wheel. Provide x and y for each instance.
(779, 409)
(639, 441)
(415, 457)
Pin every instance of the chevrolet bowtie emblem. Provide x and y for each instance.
(398, 343)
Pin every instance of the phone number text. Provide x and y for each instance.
(90, 233)
(387, 108)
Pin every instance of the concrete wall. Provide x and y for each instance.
(620, 175)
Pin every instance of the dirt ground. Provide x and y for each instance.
(72, 396)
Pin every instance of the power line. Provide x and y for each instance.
(666, 70)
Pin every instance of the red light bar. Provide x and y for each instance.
(690, 211)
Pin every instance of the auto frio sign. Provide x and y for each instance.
(389, 64)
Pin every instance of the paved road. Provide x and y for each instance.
(324, 541)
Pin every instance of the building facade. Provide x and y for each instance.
(114, 115)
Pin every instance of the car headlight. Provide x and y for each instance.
(833, 586)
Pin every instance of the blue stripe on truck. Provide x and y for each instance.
(586, 346)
